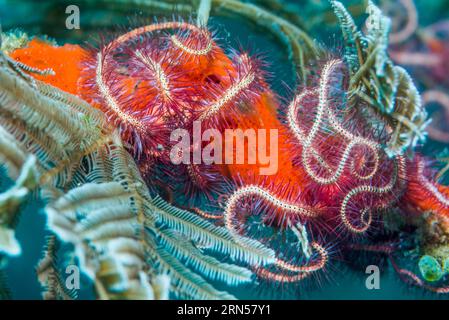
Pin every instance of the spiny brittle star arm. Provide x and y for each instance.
(158, 72)
(279, 277)
(231, 93)
(110, 100)
(165, 26)
(207, 215)
(302, 271)
(323, 97)
(444, 200)
(296, 129)
(253, 190)
(344, 158)
(101, 61)
(315, 266)
(368, 189)
(322, 111)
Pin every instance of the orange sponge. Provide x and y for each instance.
(64, 60)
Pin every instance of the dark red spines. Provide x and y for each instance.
(141, 80)
(279, 203)
(165, 81)
(202, 182)
(229, 96)
(107, 84)
(342, 154)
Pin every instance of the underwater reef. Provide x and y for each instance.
(109, 137)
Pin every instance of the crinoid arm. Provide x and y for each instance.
(5, 291)
(386, 88)
(49, 276)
